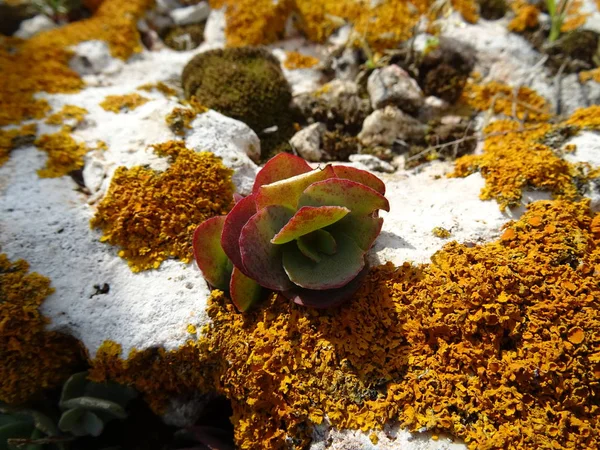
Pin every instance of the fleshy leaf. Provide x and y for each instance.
(325, 242)
(360, 176)
(332, 271)
(210, 257)
(360, 199)
(308, 248)
(234, 222)
(362, 229)
(307, 220)
(280, 167)
(287, 192)
(261, 259)
(244, 291)
(327, 298)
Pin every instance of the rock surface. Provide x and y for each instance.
(384, 126)
(307, 142)
(190, 14)
(394, 86)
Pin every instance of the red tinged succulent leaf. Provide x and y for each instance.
(234, 222)
(360, 199)
(287, 192)
(244, 291)
(319, 241)
(308, 248)
(280, 167)
(360, 176)
(328, 298)
(260, 258)
(332, 271)
(210, 257)
(308, 219)
(362, 229)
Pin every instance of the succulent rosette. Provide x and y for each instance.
(301, 232)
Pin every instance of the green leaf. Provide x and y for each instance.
(308, 219)
(332, 271)
(14, 431)
(244, 291)
(74, 386)
(308, 248)
(360, 199)
(261, 259)
(92, 403)
(114, 392)
(70, 419)
(362, 229)
(360, 176)
(280, 167)
(210, 257)
(287, 192)
(319, 241)
(92, 424)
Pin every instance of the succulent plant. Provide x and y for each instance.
(301, 232)
(26, 428)
(87, 406)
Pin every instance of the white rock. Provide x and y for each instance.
(394, 86)
(307, 142)
(214, 30)
(231, 140)
(33, 26)
(165, 6)
(93, 58)
(190, 14)
(372, 163)
(432, 108)
(587, 150)
(384, 126)
(346, 66)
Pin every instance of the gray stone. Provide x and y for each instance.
(93, 58)
(372, 163)
(33, 26)
(346, 66)
(190, 14)
(394, 86)
(384, 126)
(307, 142)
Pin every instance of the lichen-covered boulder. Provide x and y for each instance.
(246, 84)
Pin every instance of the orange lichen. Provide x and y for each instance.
(160, 87)
(118, 103)
(151, 215)
(526, 16)
(588, 75)
(42, 62)
(180, 119)
(13, 138)
(32, 359)
(475, 344)
(441, 232)
(523, 102)
(574, 17)
(65, 154)
(296, 60)
(468, 9)
(68, 112)
(586, 118)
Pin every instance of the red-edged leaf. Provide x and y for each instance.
(234, 222)
(360, 176)
(210, 257)
(244, 291)
(327, 298)
(332, 271)
(261, 259)
(360, 199)
(307, 220)
(362, 229)
(287, 192)
(237, 197)
(280, 167)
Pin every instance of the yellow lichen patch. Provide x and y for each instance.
(574, 17)
(468, 9)
(588, 75)
(160, 87)
(42, 62)
(65, 154)
(13, 138)
(32, 359)
(475, 344)
(179, 120)
(526, 16)
(441, 232)
(586, 118)
(68, 112)
(157, 373)
(296, 60)
(118, 103)
(152, 215)
(521, 103)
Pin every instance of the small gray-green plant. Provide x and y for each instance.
(557, 9)
(27, 428)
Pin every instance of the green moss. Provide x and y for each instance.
(492, 9)
(246, 84)
(185, 37)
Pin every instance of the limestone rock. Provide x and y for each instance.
(307, 142)
(372, 163)
(33, 26)
(394, 86)
(384, 126)
(93, 58)
(190, 14)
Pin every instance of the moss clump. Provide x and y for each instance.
(185, 37)
(32, 359)
(244, 83)
(65, 154)
(339, 146)
(577, 49)
(492, 9)
(152, 215)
